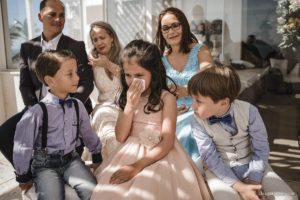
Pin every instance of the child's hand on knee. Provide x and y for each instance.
(124, 174)
(260, 192)
(247, 191)
(25, 186)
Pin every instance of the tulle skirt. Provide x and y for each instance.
(174, 177)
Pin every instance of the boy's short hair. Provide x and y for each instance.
(49, 62)
(217, 82)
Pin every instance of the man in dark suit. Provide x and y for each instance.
(52, 15)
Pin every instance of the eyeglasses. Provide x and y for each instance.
(174, 27)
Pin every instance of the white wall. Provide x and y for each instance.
(2, 45)
(2, 111)
(232, 41)
(10, 97)
(128, 18)
(230, 12)
(2, 66)
(92, 11)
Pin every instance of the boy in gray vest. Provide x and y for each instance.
(232, 139)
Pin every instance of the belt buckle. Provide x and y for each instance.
(44, 150)
(67, 157)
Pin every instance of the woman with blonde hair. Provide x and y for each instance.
(105, 62)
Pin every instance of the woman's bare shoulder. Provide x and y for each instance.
(192, 45)
(168, 96)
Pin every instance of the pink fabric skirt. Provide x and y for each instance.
(175, 177)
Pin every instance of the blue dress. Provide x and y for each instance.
(183, 125)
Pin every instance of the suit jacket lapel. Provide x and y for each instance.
(37, 47)
(34, 50)
(62, 43)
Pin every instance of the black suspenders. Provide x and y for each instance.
(44, 126)
(77, 115)
(45, 123)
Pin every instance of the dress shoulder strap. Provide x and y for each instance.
(164, 93)
(196, 49)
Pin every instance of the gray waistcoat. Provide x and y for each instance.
(234, 150)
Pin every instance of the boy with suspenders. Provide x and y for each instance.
(47, 135)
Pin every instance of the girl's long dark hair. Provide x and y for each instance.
(147, 56)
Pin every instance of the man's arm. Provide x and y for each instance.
(259, 145)
(85, 73)
(26, 87)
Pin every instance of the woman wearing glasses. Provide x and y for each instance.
(183, 56)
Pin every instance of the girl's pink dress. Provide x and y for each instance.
(171, 178)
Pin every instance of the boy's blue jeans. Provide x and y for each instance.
(51, 172)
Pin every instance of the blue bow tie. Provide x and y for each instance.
(227, 119)
(68, 102)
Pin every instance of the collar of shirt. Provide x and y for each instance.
(230, 112)
(50, 45)
(52, 99)
(231, 128)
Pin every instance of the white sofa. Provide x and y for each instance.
(70, 194)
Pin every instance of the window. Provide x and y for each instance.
(20, 26)
(135, 19)
(223, 27)
(127, 18)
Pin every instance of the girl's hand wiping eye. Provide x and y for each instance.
(134, 93)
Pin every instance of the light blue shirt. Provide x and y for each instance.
(259, 146)
(61, 135)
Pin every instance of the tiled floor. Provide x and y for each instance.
(8, 186)
(281, 114)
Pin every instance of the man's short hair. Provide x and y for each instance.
(49, 62)
(217, 82)
(43, 4)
